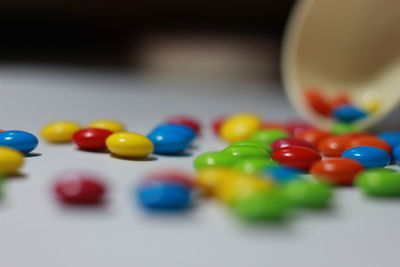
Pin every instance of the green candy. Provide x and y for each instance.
(214, 159)
(267, 147)
(270, 205)
(269, 136)
(246, 152)
(310, 194)
(344, 128)
(379, 182)
(254, 166)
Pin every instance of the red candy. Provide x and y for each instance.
(339, 100)
(288, 142)
(296, 127)
(173, 176)
(186, 121)
(79, 188)
(297, 157)
(340, 171)
(333, 146)
(317, 102)
(91, 139)
(313, 136)
(370, 141)
(217, 123)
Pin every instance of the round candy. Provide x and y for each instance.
(261, 206)
(168, 142)
(282, 174)
(208, 179)
(390, 137)
(217, 123)
(214, 159)
(317, 102)
(340, 171)
(163, 196)
(80, 188)
(333, 146)
(396, 153)
(60, 131)
(254, 166)
(190, 122)
(253, 143)
(297, 157)
(129, 145)
(295, 127)
(186, 133)
(111, 125)
(348, 113)
(313, 136)
(22, 141)
(11, 160)
(91, 139)
(368, 156)
(344, 128)
(379, 182)
(289, 141)
(309, 194)
(240, 127)
(370, 141)
(246, 152)
(269, 136)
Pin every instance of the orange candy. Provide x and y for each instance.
(317, 102)
(313, 136)
(272, 125)
(339, 171)
(333, 146)
(369, 141)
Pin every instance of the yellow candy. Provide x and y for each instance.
(240, 127)
(129, 145)
(370, 101)
(209, 178)
(10, 160)
(111, 125)
(60, 131)
(240, 186)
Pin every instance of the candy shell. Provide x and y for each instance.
(333, 146)
(214, 159)
(370, 141)
(240, 127)
(22, 141)
(379, 182)
(339, 171)
(269, 136)
(91, 139)
(289, 141)
(297, 157)
(308, 194)
(368, 156)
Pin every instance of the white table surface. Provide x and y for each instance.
(35, 231)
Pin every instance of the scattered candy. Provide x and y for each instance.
(208, 179)
(344, 128)
(246, 152)
(369, 141)
(214, 159)
(368, 156)
(22, 141)
(348, 113)
(308, 194)
(186, 133)
(186, 121)
(379, 182)
(339, 171)
(390, 137)
(60, 131)
(240, 127)
(333, 146)
(282, 174)
(396, 153)
(313, 136)
(168, 143)
(253, 143)
(297, 157)
(11, 160)
(131, 145)
(317, 102)
(169, 176)
(254, 166)
(288, 142)
(111, 125)
(269, 136)
(92, 139)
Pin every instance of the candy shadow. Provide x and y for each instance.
(17, 176)
(100, 208)
(32, 155)
(93, 151)
(181, 155)
(149, 158)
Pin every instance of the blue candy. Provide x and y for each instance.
(168, 142)
(368, 156)
(185, 132)
(282, 174)
(390, 137)
(163, 196)
(396, 153)
(348, 113)
(19, 140)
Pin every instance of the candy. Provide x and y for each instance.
(186, 133)
(369, 141)
(214, 159)
(379, 182)
(272, 125)
(246, 152)
(60, 131)
(11, 160)
(269, 136)
(132, 145)
(340, 99)
(390, 137)
(313, 136)
(297, 157)
(253, 143)
(111, 125)
(217, 123)
(348, 113)
(22, 141)
(396, 153)
(208, 179)
(288, 142)
(368, 156)
(163, 196)
(295, 127)
(254, 166)
(344, 128)
(333, 146)
(80, 188)
(240, 127)
(317, 102)
(168, 142)
(340, 171)
(169, 176)
(308, 194)
(282, 174)
(261, 206)
(186, 121)
(91, 139)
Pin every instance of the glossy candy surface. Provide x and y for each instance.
(126, 144)
(296, 157)
(214, 159)
(289, 141)
(396, 153)
(313, 136)
(390, 137)
(11, 160)
(282, 174)
(379, 182)
(368, 156)
(188, 121)
(254, 144)
(246, 152)
(170, 176)
(254, 166)
(340, 171)
(317, 102)
(91, 139)
(333, 146)
(60, 131)
(22, 141)
(344, 128)
(80, 188)
(111, 125)
(309, 194)
(269, 136)
(240, 127)
(168, 142)
(369, 141)
(185, 133)
(348, 113)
